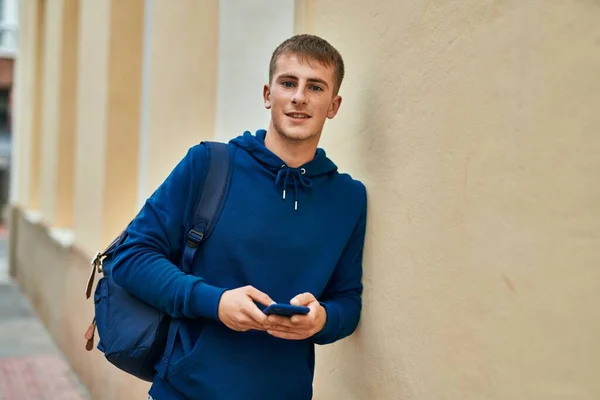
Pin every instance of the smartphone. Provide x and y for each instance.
(285, 310)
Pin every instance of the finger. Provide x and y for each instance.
(248, 323)
(257, 327)
(281, 328)
(287, 335)
(301, 320)
(309, 318)
(303, 299)
(252, 324)
(277, 320)
(259, 296)
(255, 314)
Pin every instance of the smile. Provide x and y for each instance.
(297, 115)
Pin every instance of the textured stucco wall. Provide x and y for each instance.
(475, 126)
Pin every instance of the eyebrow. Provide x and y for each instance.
(312, 80)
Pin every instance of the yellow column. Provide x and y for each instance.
(49, 106)
(91, 122)
(23, 100)
(37, 101)
(65, 174)
(58, 123)
(108, 114)
(123, 116)
(180, 89)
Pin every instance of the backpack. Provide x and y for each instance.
(133, 335)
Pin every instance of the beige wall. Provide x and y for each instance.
(65, 174)
(473, 124)
(108, 116)
(123, 116)
(181, 86)
(475, 127)
(42, 180)
(58, 113)
(37, 104)
(50, 106)
(91, 124)
(23, 101)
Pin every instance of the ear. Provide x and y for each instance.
(334, 107)
(267, 96)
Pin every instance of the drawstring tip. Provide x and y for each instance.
(284, 194)
(296, 206)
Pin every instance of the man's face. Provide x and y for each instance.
(300, 97)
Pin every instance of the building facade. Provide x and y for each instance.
(473, 124)
(9, 33)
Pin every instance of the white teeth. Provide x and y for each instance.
(298, 116)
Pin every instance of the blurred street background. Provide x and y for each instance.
(31, 366)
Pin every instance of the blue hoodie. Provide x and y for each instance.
(282, 230)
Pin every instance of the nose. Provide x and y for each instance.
(299, 97)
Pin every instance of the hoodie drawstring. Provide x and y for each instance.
(298, 178)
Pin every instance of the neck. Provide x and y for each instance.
(294, 153)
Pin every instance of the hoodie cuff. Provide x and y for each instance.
(329, 331)
(205, 300)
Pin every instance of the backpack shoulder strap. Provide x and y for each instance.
(209, 203)
(209, 199)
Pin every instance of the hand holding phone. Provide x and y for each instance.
(238, 310)
(298, 327)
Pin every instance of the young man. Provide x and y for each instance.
(292, 230)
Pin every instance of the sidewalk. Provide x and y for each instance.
(31, 367)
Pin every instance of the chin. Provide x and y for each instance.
(296, 134)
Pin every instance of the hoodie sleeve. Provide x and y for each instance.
(342, 297)
(143, 263)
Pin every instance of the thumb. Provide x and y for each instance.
(259, 296)
(303, 299)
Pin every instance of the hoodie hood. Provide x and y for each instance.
(284, 176)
